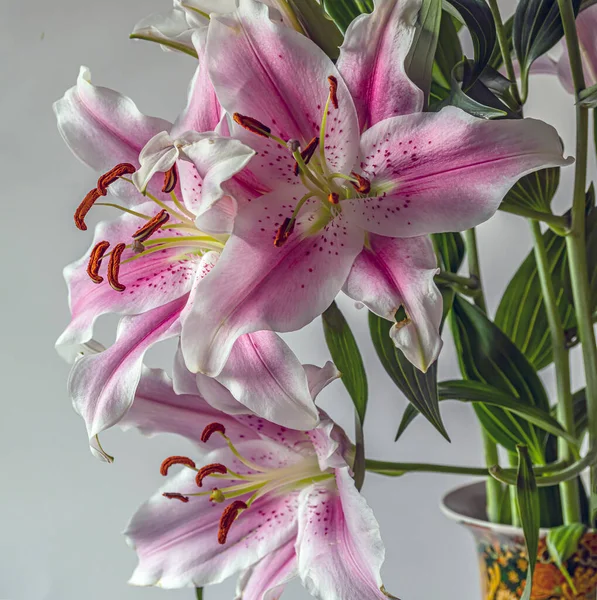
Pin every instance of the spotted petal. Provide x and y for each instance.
(151, 281)
(339, 548)
(249, 288)
(177, 543)
(103, 128)
(288, 78)
(393, 272)
(372, 61)
(446, 171)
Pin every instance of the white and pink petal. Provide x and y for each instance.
(249, 288)
(339, 547)
(391, 273)
(103, 386)
(446, 171)
(372, 61)
(104, 128)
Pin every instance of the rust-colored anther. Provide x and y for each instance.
(252, 125)
(333, 198)
(85, 206)
(145, 232)
(284, 233)
(112, 175)
(307, 154)
(228, 517)
(175, 496)
(114, 268)
(170, 180)
(363, 186)
(95, 261)
(208, 470)
(333, 90)
(211, 429)
(175, 460)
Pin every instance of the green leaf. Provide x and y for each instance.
(419, 62)
(588, 97)
(487, 355)
(419, 388)
(449, 51)
(346, 356)
(562, 543)
(527, 498)
(479, 20)
(534, 191)
(537, 28)
(521, 313)
(343, 12)
(317, 26)
(450, 251)
(473, 94)
(474, 391)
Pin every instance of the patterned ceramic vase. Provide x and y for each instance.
(503, 560)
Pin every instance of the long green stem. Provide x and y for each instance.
(508, 476)
(576, 241)
(395, 469)
(399, 468)
(504, 47)
(199, 593)
(359, 466)
(568, 489)
(493, 487)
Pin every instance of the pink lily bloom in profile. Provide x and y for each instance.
(357, 175)
(586, 27)
(145, 265)
(265, 502)
(175, 28)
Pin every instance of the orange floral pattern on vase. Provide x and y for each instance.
(503, 562)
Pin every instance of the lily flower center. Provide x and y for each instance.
(248, 487)
(311, 165)
(173, 218)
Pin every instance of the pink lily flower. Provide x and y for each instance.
(357, 174)
(176, 27)
(586, 26)
(145, 265)
(265, 502)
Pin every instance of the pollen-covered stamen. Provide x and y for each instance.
(95, 261)
(114, 268)
(208, 470)
(333, 91)
(228, 517)
(211, 429)
(176, 460)
(307, 154)
(175, 496)
(85, 206)
(334, 198)
(363, 186)
(252, 125)
(145, 232)
(170, 179)
(284, 232)
(112, 175)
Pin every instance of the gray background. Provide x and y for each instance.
(62, 511)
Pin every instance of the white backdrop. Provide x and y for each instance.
(62, 511)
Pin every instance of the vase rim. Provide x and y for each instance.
(465, 504)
